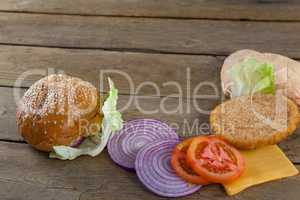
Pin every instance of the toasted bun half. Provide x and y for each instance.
(58, 110)
(249, 122)
(287, 71)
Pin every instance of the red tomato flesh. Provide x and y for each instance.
(215, 160)
(181, 167)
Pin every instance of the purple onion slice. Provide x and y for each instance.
(125, 144)
(153, 167)
(77, 141)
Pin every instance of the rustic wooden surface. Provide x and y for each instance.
(280, 10)
(188, 36)
(34, 176)
(149, 40)
(16, 60)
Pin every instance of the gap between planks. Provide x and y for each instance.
(118, 50)
(152, 17)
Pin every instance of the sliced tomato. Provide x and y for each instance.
(181, 167)
(215, 160)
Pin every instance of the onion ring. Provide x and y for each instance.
(124, 145)
(153, 167)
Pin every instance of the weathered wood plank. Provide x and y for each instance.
(28, 174)
(214, 9)
(186, 116)
(8, 129)
(89, 64)
(144, 34)
(291, 146)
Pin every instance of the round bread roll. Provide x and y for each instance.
(249, 122)
(287, 71)
(59, 110)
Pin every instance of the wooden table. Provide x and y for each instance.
(150, 40)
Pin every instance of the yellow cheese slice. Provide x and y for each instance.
(262, 165)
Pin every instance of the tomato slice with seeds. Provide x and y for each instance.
(215, 160)
(181, 167)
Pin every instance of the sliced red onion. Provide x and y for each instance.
(125, 144)
(153, 167)
(77, 142)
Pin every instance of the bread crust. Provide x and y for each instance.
(287, 71)
(58, 110)
(252, 142)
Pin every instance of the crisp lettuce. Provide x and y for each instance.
(250, 77)
(94, 145)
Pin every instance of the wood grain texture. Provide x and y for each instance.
(8, 128)
(28, 174)
(214, 9)
(187, 116)
(150, 35)
(15, 61)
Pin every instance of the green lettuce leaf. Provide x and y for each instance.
(250, 77)
(94, 145)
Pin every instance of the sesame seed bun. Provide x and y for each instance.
(287, 71)
(249, 122)
(58, 110)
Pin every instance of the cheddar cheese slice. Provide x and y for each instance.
(262, 165)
